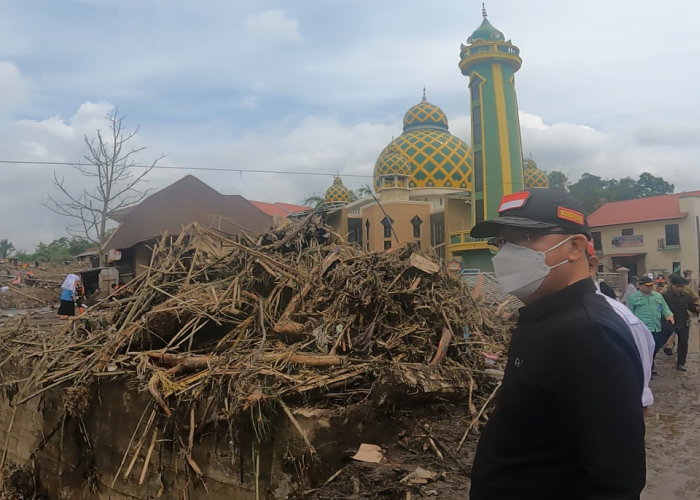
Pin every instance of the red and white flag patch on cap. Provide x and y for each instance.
(515, 200)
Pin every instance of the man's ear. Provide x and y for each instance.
(578, 243)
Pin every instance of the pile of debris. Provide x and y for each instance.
(245, 324)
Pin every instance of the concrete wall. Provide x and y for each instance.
(656, 259)
(459, 216)
(401, 213)
(63, 467)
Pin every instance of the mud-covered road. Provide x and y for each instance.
(673, 432)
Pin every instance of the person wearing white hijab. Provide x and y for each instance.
(67, 307)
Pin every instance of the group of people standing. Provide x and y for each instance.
(665, 309)
(74, 296)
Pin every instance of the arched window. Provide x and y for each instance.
(416, 222)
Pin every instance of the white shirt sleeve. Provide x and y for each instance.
(644, 341)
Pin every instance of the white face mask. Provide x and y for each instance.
(521, 270)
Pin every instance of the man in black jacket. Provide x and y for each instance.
(680, 303)
(568, 422)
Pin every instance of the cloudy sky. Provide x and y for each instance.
(321, 86)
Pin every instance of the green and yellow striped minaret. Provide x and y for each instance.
(490, 61)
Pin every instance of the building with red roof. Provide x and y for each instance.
(659, 234)
(279, 209)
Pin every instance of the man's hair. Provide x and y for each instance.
(678, 280)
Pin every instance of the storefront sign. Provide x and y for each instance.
(454, 266)
(633, 240)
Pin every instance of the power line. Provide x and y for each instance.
(215, 169)
(173, 167)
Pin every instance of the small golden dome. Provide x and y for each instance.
(337, 193)
(534, 177)
(392, 162)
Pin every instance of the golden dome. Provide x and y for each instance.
(391, 162)
(436, 158)
(425, 115)
(534, 177)
(337, 193)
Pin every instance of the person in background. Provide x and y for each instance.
(605, 289)
(650, 307)
(692, 283)
(67, 307)
(643, 338)
(631, 288)
(680, 303)
(118, 292)
(660, 283)
(671, 343)
(80, 297)
(568, 423)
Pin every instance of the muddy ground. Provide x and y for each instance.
(407, 446)
(673, 432)
(673, 449)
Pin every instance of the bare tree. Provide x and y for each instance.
(112, 164)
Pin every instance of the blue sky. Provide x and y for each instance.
(321, 86)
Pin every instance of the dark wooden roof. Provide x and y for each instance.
(184, 202)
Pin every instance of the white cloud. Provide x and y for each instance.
(274, 25)
(14, 91)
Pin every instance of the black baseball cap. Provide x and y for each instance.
(646, 281)
(537, 208)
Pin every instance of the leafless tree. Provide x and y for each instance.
(116, 178)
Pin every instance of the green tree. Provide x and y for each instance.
(650, 185)
(558, 180)
(6, 249)
(593, 191)
(590, 190)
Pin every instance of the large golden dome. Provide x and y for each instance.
(436, 157)
(337, 193)
(534, 177)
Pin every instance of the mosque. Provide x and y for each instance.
(431, 187)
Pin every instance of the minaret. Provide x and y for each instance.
(490, 61)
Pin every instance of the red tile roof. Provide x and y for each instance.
(640, 210)
(279, 209)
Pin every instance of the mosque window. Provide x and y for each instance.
(476, 125)
(416, 222)
(479, 210)
(474, 86)
(387, 245)
(368, 247)
(478, 171)
(387, 222)
(367, 229)
(597, 238)
(628, 232)
(439, 233)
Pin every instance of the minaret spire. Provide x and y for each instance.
(425, 99)
(483, 10)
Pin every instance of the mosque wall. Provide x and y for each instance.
(402, 213)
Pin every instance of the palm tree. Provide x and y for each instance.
(314, 200)
(364, 190)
